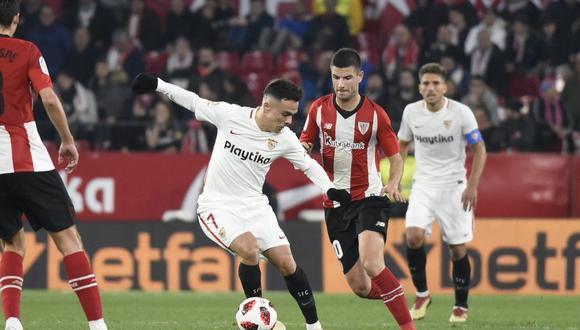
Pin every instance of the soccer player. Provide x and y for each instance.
(29, 183)
(351, 128)
(232, 210)
(441, 128)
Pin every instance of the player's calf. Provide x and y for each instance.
(300, 289)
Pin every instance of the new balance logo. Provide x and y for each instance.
(380, 224)
(244, 154)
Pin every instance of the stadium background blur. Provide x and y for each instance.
(516, 63)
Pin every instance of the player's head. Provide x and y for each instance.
(432, 83)
(346, 73)
(279, 104)
(9, 14)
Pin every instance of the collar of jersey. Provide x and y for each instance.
(345, 114)
(445, 106)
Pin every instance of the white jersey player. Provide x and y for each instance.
(232, 210)
(441, 129)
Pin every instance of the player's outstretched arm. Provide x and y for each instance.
(67, 151)
(145, 83)
(392, 188)
(469, 197)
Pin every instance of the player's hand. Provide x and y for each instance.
(144, 83)
(339, 195)
(393, 191)
(469, 198)
(67, 153)
(307, 146)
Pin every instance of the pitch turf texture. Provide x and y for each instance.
(138, 310)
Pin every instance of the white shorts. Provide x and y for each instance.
(443, 205)
(222, 224)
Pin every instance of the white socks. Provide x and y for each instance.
(97, 325)
(315, 326)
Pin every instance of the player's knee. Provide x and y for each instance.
(68, 241)
(250, 252)
(287, 266)
(414, 241)
(15, 243)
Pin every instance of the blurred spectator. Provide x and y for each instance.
(236, 92)
(316, 80)
(377, 91)
(79, 104)
(163, 134)
(443, 46)
(29, 14)
(521, 8)
(180, 63)
(401, 53)
(453, 91)
(550, 113)
(52, 38)
(81, 61)
(111, 91)
(524, 48)
(179, 22)
(90, 14)
(455, 72)
(518, 132)
(329, 31)
(351, 9)
(458, 28)
(291, 29)
(129, 134)
(125, 55)
(492, 23)
(400, 97)
(208, 71)
(482, 97)
(563, 13)
(144, 25)
(571, 95)
(253, 31)
(491, 134)
(488, 61)
(555, 43)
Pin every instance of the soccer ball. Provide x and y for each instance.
(256, 313)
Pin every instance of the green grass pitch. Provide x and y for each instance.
(137, 310)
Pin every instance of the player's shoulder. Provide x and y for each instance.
(457, 106)
(19, 43)
(325, 101)
(414, 106)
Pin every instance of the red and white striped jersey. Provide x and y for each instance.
(348, 145)
(21, 65)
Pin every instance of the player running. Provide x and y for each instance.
(232, 210)
(29, 183)
(351, 128)
(441, 128)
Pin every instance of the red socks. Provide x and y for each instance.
(375, 292)
(11, 278)
(82, 280)
(394, 297)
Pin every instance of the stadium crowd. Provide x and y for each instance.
(516, 63)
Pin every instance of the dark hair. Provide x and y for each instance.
(345, 57)
(8, 9)
(433, 68)
(283, 89)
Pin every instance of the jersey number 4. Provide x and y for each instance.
(1, 97)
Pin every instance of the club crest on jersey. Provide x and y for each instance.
(447, 123)
(327, 125)
(272, 144)
(363, 127)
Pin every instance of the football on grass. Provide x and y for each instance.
(256, 314)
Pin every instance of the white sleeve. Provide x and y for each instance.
(206, 110)
(405, 132)
(302, 161)
(468, 121)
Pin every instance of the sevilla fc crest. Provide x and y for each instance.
(363, 127)
(447, 123)
(272, 144)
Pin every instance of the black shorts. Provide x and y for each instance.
(41, 196)
(344, 224)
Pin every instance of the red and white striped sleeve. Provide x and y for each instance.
(385, 135)
(310, 132)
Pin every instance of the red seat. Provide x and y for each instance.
(229, 61)
(288, 61)
(256, 82)
(257, 61)
(155, 62)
